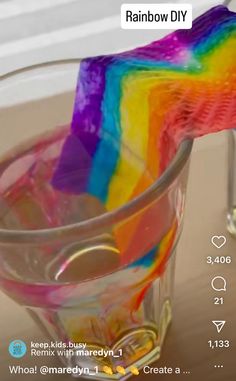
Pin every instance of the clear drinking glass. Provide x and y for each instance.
(84, 274)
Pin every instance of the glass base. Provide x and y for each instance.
(118, 340)
(132, 342)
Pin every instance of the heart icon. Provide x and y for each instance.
(218, 241)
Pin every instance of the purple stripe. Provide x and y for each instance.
(75, 162)
(73, 167)
(204, 25)
(87, 115)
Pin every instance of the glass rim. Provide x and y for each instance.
(144, 199)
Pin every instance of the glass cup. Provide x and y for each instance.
(99, 283)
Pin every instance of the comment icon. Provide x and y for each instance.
(219, 283)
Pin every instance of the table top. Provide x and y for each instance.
(186, 345)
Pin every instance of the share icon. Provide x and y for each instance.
(219, 324)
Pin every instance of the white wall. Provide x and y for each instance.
(33, 31)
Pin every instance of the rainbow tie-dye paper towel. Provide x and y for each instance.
(146, 101)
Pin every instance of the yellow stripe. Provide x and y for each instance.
(134, 111)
